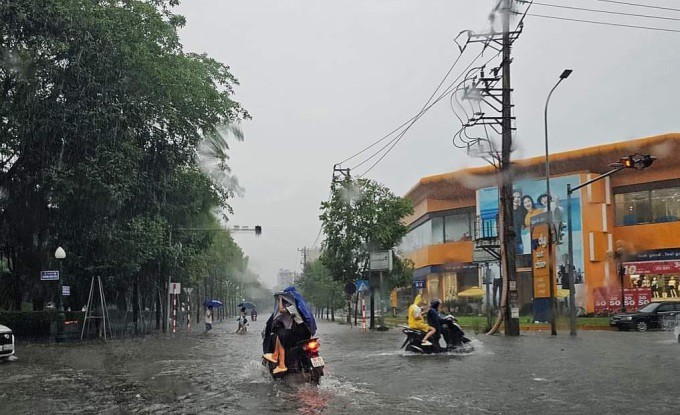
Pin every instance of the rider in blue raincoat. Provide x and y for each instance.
(291, 321)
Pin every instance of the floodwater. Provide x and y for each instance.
(220, 372)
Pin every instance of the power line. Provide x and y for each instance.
(410, 120)
(448, 90)
(422, 112)
(639, 5)
(559, 6)
(659, 29)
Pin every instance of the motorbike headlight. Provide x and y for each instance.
(7, 336)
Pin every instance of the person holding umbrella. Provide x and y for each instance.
(208, 319)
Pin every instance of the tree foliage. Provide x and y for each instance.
(362, 216)
(102, 118)
(319, 288)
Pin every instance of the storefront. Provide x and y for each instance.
(657, 270)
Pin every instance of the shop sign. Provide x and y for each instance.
(657, 255)
(652, 267)
(609, 301)
(541, 261)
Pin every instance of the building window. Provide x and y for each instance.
(457, 227)
(437, 230)
(648, 206)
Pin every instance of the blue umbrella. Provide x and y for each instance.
(212, 303)
(246, 304)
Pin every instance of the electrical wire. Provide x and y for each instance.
(396, 140)
(401, 135)
(411, 121)
(462, 49)
(607, 11)
(658, 29)
(392, 143)
(639, 5)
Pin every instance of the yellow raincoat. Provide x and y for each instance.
(415, 315)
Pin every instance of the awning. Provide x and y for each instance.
(472, 292)
(421, 273)
(652, 267)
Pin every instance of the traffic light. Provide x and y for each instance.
(637, 161)
(258, 230)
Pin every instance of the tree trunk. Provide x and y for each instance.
(332, 313)
(158, 309)
(135, 304)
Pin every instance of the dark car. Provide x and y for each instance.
(660, 315)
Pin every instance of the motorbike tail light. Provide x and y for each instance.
(312, 346)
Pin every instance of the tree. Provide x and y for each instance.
(361, 216)
(101, 118)
(319, 288)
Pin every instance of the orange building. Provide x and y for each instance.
(453, 232)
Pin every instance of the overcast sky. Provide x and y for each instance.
(324, 79)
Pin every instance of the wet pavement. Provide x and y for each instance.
(220, 372)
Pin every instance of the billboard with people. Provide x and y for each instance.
(530, 201)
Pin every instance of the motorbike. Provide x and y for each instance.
(456, 342)
(302, 360)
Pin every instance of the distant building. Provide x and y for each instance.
(453, 233)
(284, 278)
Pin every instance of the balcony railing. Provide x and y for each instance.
(486, 230)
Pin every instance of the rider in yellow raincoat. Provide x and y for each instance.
(416, 321)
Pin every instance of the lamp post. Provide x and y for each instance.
(551, 269)
(635, 161)
(60, 254)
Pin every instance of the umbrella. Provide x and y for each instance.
(246, 304)
(472, 292)
(212, 303)
(562, 293)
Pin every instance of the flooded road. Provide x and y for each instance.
(220, 372)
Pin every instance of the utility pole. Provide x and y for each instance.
(508, 245)
(497, 114)
(303, 250)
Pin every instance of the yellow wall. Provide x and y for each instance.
(435, 205)
(442, 253)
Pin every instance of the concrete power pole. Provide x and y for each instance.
(508, 245)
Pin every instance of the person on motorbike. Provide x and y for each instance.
(443, 325)
(416, 321)
(286, 326)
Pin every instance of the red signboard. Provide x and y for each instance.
(652, 267)
(608, 301)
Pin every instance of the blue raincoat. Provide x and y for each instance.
(303, 308)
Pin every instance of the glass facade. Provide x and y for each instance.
(648, 206)
(452, 227)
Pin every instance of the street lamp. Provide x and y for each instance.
(60, 254)
(635, 161)
(553, 306)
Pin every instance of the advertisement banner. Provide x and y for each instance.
(608, 301)
(529, 206)
(652, 267)
(541, 261)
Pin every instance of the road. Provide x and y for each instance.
(220, 372)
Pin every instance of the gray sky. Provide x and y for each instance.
(323, 79)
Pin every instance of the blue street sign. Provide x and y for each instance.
(362, 286)
(419, 284)
(49, 275)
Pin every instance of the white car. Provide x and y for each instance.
(6, 343)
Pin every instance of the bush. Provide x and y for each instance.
(35, 323)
